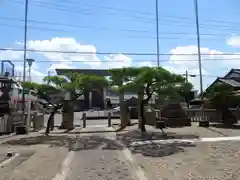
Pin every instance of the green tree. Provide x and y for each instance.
(44, 91)
(219, 95)
(117, 79)
(58, 81)
(179, 92)
(76, 84)
(46, 88)
(146, 81)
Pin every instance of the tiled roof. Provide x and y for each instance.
(231, 82)
(237, 70)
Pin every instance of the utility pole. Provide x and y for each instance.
(199, 59)
(157, 33)
(186, 80)
(24, 62)
(49, 74)
(20, 76)
(199, 48)
(186, 76)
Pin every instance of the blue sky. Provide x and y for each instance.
(123, 26)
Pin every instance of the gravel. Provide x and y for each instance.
(99, 164)
(208, 161)
(43, 164)
(185, 160)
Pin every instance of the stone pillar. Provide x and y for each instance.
(90, 99)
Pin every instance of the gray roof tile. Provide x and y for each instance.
(231, 82)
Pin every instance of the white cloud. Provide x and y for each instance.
(36, 75)
(215, 60)
(210, 57)
(11, 55)
(145, 64)
(60, 66)
(117, 61)
(16, 57)
(234, 41)
(66, 44)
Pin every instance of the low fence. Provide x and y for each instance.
(212, 115)
(208, 114)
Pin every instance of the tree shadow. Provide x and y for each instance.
(90, 142)
(160, 149)
(135, 135)
(62, 141)
(224, 126)
(148, 146)
(70, 142)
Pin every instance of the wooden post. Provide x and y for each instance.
(109, 119)
(84, 117)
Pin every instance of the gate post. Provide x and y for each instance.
(84, 117)
(109, 119)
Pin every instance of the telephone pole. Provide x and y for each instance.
(49, 74)
(199, 49)
(157, 33)
(24, 63)
(187, 75)
(203, 121)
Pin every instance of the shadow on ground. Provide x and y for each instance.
(224, 126)
(154, 149)
(136, 135)
(123, 140)
(82, 132)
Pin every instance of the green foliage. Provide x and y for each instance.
(56, 80)
(77, 81)
(222, 95)
(148, 80)
(41, 87)
(220, 89)
(30, 85)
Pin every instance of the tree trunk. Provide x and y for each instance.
(140, 99)
(142, 117)
(50, 121)
(67, 117)
(64, 124)
(124, 115)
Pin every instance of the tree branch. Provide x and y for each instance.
(78, 95)
(149, 94)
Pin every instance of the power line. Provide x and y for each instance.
(134, 60)
(116, 53)
(180, 23)
(94, 27)
(43, 4)
(127, 36)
